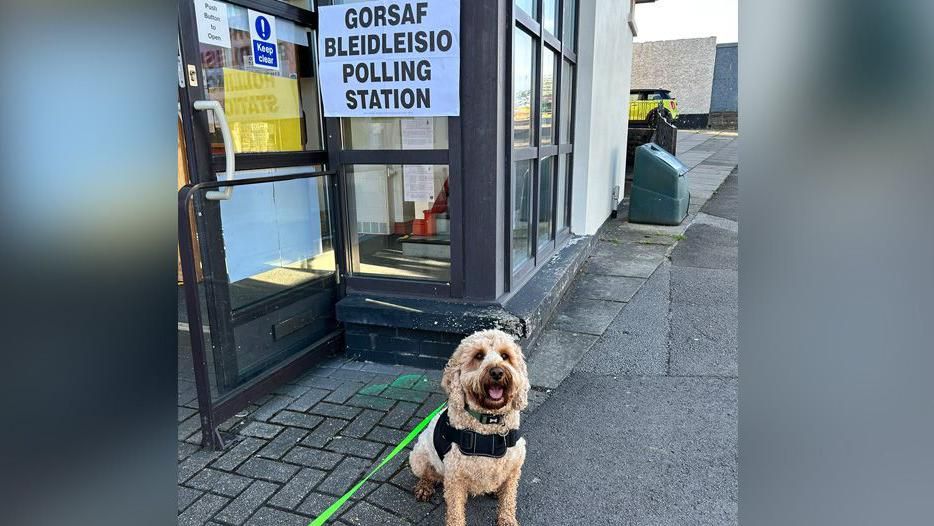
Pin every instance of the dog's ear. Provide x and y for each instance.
(451, 378)
(521, 400)
(451, 383)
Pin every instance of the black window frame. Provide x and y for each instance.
(562, 144)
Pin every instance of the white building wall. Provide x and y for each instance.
(602, 119)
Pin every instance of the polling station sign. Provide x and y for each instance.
(390, 58)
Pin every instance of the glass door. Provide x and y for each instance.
(262, 201)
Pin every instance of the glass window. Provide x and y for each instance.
(523, 86)
(545, 209)
(394, 133)
(569, 24)
(528, 6)
(548, 96)
(277, 236)
(267, 110)
(567, 102)
(549, 16)
(402, 221)
(561, 218)
(521, 213)
(304, 4)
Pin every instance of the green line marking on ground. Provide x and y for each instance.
(373, 390)
(332, 509)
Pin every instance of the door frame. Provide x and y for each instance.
(203, 165)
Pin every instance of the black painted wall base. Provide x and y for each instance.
(692, 121)
(423, 332)
(398, 345)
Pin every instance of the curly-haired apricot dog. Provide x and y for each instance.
(473, 446)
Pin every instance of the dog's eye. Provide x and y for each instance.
(479, 356)
(504, 355)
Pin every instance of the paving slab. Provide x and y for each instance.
(555, 355)
(636, 260)
(585, 315)
(707, 246)
(609, 288)
(636, 342)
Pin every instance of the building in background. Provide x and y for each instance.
(724, 99)
(686, 67)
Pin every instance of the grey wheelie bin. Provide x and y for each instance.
(659, 193)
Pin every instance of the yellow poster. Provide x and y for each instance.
(263, 111)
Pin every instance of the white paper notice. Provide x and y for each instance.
(418, 134)
(418, 182)
(213, 27)
(390, 58)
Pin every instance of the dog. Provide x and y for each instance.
(473, 446)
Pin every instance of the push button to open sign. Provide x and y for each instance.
(264, 52)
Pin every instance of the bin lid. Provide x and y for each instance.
(670, 160)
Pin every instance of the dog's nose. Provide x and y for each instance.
(497, 373)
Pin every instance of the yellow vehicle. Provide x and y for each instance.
(644, 106)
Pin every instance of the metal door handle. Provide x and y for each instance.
(215, 106)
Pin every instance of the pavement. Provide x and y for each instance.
(632, 417)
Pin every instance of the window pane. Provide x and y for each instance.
(277, 236)
(268, 110)
(561, 220)
(394, 133)
(545, 210)
(548, 96)
(528, 6)
(523, 100)
(569, 24)
(567, 106)
(402, 220)
(521, 213)
(549, 18)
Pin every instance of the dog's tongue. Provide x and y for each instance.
(495, 393)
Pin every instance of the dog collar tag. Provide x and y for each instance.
(485, 418)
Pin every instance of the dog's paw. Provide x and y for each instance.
(506, 521)
(424, 490)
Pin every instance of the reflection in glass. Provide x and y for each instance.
(549, 18)
(267, 110)
(561, 217)
(548, 96)
(277, 236)
(523, 86)
(528, 6)
(394, 133)
(545, 211)
(569, 25)
(521, 213)
(567, 109)
(403, 228)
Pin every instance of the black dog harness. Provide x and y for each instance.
(470, 442)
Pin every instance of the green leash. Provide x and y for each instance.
(332, 509)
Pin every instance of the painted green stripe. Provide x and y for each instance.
(332, 509)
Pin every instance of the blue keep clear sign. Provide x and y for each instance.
(265, 44)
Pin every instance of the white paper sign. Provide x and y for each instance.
(264, 41)
(418, 134)
(213, 28)
(390, 58)
(418, 182)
